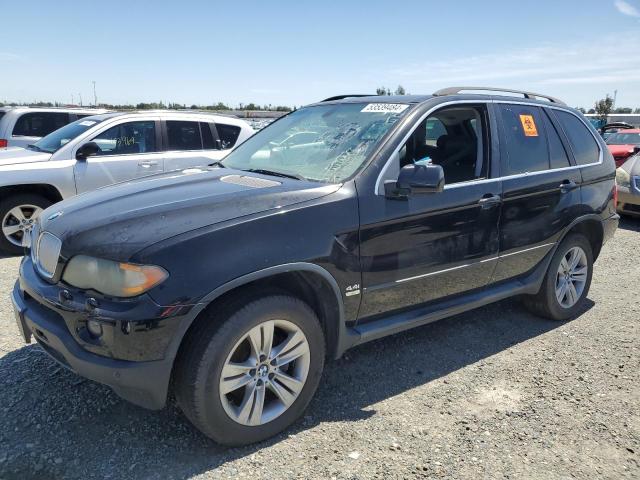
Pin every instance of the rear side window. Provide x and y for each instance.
(207, 136)
(524, 145)
(228, 135)
(557, 154)
(183, 135)
(39, 124)
(584, 146)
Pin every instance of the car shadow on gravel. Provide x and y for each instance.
(54, 424)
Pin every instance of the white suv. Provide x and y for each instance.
(22, 126)
(104, 149)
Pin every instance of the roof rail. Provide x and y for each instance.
(531, 95)
(340, 97)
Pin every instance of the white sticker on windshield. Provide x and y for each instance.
(87, 123)
(385, 108)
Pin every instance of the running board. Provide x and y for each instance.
(433, 312)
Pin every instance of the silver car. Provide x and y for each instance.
(103, 149)
(628, 181)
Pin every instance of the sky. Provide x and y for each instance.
(297, 52)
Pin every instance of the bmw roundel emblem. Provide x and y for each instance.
(53, 216)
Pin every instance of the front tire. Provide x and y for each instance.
(17, 215)
(251, 376)
(567, 281)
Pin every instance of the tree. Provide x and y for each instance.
(603, 107)
(592, 111)
(400, 90)
(637, 110)
(381, 91)
(622, 110)
(581, 110)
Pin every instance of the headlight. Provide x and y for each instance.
(622, 178)
(112, 278)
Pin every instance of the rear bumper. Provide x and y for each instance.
(144, 383)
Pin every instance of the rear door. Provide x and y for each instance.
(32, 126)
(190, 143)
(541, 193)
(128, 150)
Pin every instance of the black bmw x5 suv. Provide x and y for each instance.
(342, 222)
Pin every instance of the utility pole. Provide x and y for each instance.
(615, 96)
(80, 95)
(72, 99)
(95, 97)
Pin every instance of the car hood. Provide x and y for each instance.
(14, 155)
(116, 222)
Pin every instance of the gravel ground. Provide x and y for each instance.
(493, 393)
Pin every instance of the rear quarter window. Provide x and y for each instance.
(39, 124)
(228, 135)
(523, 140)
(584, 146)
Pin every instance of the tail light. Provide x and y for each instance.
(615, 195)
(3, 143)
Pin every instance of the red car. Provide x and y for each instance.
(623, 144)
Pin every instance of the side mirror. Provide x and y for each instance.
(87, 150)
(416, 179)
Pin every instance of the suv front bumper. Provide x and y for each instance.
(144, 383)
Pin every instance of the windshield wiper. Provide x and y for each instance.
(274, 173)
(217, 164)
(34, 147)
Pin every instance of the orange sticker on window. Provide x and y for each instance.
(529, 125)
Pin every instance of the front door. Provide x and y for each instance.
(127, 151)
(430, 246)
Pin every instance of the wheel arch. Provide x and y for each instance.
(46, 190)
(309, 282)
(591, 227)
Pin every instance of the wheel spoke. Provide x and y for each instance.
(261, 338)
(575, 258)
(10, 229)
(564, 266)
(17, 213)
(288, 381)
(247, 405)
(572, 293)
(235, 376)
(293, 347)
(561, 291)
(285, 396)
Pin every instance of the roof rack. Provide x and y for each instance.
(531, 95)
(340, 97)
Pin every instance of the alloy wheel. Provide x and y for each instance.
(571, 277)
(264, 373)
(18, 222)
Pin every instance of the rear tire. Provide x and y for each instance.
(13, 210)
(558, 303)
(221, 369)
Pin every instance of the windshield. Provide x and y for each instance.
(622, 138)
(324, 143)
(56, 140)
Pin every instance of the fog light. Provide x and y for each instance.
(95, 328)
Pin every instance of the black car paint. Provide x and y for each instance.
(213, 236)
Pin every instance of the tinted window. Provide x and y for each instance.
(128, 138)
(621, 138)
(523, 142)
(557, 154)
(228, 134)
(62, 136)
(207, 137)
(39, 124)
(435, 129)
(584, 146)
(183, 135)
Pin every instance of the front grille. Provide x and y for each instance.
(46, 254)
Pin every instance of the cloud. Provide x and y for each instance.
(626, 8)
(8, 57)
(579, 63)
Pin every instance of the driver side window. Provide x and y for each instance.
(455, 138)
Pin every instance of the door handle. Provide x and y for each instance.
(489, 201)
(568, 185)
(148, 163)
